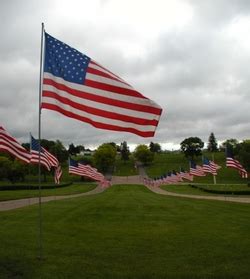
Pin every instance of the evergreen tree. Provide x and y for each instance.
(212, 143)
(124, 151)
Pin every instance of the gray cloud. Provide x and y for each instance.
(198, 72)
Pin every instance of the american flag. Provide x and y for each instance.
(58, 174)
(12, 146)
(74, 168)
(232, 163)
(91, 172)
(186, 175)
(210, 166)
(196, 170)
(34, 150)
(84, 170)
(80, 88)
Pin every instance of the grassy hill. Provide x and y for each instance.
(173, 161)
(127, 232)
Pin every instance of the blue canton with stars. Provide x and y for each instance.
(64, 61)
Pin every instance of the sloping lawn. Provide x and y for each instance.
(127, 232)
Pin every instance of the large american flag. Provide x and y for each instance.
(80, 88)
(10, 145)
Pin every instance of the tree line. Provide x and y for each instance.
(103, 158)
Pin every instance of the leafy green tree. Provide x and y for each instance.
(229, 143)
(5, 167)
(212, 143)
(104, 157)
(124, 151)
(192, 147)
(143, 154)
(59, 151)
(243, 154)
(73, 150)
(155, 147)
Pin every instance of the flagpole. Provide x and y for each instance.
(40, 256)
(214, 176)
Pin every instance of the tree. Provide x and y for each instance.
(230, 143)
(192, 147)
(73, 150)
(143, 154)
(212, 143)
(124, 151)
(104, 157)
(154, 147)
(5, 167)
(243, 151)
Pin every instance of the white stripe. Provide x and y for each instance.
(103, 120)
(102, 93)
(97, 105)
(101, 69)
(105, 80)
(13, 152)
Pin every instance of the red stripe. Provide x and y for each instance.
(18, 148)
(102, 74)
(99, 112)
(98, 124)
(10, 138)
(9, 150)
(113, 88)
(120, 79)
(101, 99)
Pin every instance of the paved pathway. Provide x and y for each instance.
(160, 191)
(12, 204)
(135, 179)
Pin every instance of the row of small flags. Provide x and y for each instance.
(81, 169)
(195, 170)
(10, 145)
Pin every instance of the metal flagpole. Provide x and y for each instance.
(39, 140)
(214, 176)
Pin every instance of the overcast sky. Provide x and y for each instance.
(190, 57)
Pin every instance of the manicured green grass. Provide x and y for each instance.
(124, 168)
(187, 189)
(184, 189)
(127, 232)
(72, 189)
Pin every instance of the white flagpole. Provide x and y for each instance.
(39, 140)
(214, 176)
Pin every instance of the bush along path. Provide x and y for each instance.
(13, 204)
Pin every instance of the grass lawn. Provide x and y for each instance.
(184, 189)
(20, 194)
(127, 232)
(124, 168)
(187, 189)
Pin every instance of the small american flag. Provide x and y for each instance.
(196, 170)
(58, 174)
(10, 145)
(47, 159)
(232, 163)
(84, 170)
(210, 166)
(80, 88)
